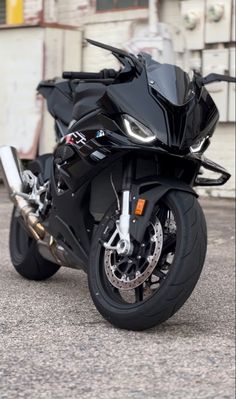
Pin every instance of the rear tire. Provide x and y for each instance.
(24, 253)
(177, 286)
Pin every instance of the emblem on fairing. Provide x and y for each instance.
(75, 138)
(100, 133)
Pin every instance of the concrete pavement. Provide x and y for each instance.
(54, 344)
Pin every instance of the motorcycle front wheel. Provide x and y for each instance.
(144, 289)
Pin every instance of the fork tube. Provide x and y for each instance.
(128, 172)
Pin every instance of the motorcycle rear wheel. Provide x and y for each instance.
(173, 283)
(24, 253)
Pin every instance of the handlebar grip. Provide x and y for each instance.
(82, 75)
(103, 74)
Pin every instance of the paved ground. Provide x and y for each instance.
(54, 344)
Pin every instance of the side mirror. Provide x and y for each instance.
(214, 77)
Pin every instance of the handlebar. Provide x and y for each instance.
(103, 74)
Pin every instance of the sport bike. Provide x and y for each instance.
(116, 198)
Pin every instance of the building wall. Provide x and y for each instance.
(222, 151)
(118, 28)
(21, 110)
(32, 11)
(70, 12)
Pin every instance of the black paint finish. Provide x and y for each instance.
(94, 146)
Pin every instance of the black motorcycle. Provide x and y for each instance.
(116, 197)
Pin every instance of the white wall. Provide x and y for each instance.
(21, 116)
(222, 151)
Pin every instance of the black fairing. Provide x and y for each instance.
(87, 96)
(175, 126)
(59, 96)
(186, 124)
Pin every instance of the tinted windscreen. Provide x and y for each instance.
(170, 81)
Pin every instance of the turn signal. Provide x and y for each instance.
(139, 210)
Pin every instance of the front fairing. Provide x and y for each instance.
(188, 123)
(170, 81)
(175, 126)
(133, 98)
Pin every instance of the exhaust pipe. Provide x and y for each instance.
(12, 177)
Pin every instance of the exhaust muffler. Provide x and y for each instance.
(12, 177)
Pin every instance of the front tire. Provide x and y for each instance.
(173, 287)
(25, 257)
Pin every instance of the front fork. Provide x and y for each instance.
(124, 245)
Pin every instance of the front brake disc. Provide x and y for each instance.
(128, 272)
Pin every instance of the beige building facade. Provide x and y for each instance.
(195, 34)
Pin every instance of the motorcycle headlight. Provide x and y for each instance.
(137, 130)
(198, 146)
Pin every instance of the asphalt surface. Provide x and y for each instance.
(54, 344)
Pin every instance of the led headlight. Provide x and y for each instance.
(137, 130)
(198, 146)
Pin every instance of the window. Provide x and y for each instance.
(2, 12)
(106, 5)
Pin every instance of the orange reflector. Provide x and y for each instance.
(140, 207)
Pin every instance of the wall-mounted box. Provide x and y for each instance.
(192, 12)
(232, 86)
(218, 21)
(217, 61)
